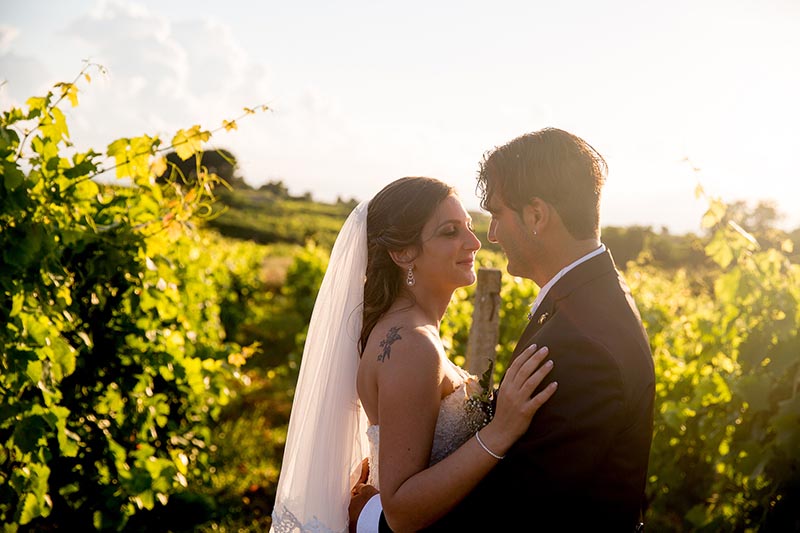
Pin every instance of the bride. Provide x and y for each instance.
(375, 380)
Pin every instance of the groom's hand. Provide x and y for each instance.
(359, 497)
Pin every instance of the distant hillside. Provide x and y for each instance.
(265, 217)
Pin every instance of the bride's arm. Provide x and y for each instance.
(414, 495)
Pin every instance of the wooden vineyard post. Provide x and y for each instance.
(485, 329)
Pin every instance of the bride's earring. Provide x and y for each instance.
(410, 281)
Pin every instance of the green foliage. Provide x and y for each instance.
(304, 278)
(726, 446)
(270, 309)
(267, 294)
(113, 355)
(645, 246)
(250, 439)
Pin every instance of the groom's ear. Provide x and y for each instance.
(536, 214)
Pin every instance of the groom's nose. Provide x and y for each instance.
(492, 230)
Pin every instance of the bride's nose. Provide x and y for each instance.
(473, 243)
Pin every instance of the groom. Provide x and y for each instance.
(582, 464)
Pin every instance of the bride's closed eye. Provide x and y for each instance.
(450, 231)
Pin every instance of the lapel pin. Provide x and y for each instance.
(543, 317)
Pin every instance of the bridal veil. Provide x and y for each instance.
(327, 441)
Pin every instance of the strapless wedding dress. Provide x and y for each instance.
(456, 423)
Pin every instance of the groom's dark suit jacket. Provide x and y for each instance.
(582, 464)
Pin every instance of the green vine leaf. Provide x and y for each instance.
(70, 91)
(189, 142)
(13, 177)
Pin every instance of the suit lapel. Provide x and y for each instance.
(578, 276)
(542, 315)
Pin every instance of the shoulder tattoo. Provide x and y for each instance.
(386, 343)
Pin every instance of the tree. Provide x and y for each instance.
(220, 162)
(277, 188)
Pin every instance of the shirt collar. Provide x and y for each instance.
(542, 293)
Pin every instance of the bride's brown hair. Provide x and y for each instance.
(395, 218)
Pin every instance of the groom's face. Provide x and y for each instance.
(508, 229)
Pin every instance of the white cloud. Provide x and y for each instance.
(162, 75)
(7, 35)
(19, 74)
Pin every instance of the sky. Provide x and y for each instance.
(363, 92)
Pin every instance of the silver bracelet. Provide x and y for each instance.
(487, 450)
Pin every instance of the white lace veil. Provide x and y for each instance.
(327, 438)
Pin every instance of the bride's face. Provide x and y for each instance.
(447, 258)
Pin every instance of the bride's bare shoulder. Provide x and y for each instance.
(401, 357)
(399, 338)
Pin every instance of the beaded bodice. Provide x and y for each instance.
(456, 423)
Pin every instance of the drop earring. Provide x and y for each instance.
(410, 281)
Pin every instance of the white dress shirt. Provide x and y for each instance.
(561, 273)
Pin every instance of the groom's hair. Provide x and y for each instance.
(551, 164)
(395, 218)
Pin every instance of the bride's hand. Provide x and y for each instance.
(516, 404)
